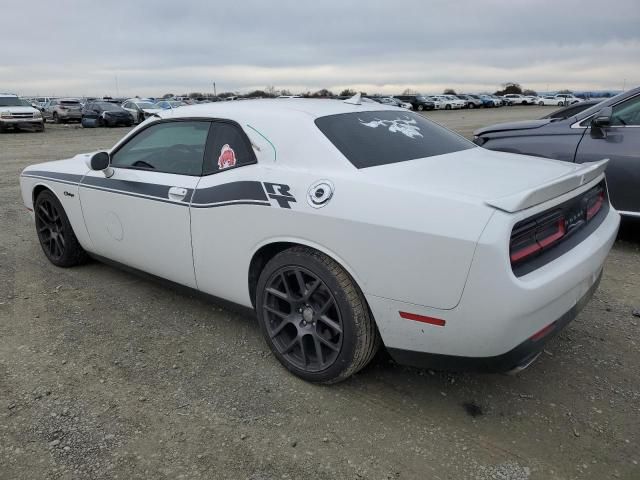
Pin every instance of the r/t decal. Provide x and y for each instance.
(280, 193)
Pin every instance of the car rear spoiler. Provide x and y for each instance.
(552, 189)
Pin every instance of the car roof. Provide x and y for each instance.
(275, 108)
(8, 95)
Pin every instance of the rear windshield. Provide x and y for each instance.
(369, 139)
(70, 102)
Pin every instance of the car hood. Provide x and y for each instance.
(19, 109)
(521, 125)
(152, 110)
(477, 174)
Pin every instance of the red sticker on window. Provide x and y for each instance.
(227, 157)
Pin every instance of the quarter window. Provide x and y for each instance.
(229, 147)
(169, 147)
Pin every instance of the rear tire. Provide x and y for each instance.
(471, 105)
(314, 317)
(55, 118)
(56, 236)
(447, 107)
(420, 108)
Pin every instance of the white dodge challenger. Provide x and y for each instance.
(345, 225)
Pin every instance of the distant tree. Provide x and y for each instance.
(271, 91)
(565, 91)
(530, 92)
(347, 92)
(409, 91)
(449, 91)
(322, 93)
(227, 94)
(510, 87)
(195, 95)
(257, 94)
(168, 95)
(286, 92)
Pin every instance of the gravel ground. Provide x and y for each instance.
(104, 374)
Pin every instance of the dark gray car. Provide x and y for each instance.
(610, 129)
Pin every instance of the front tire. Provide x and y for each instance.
(55, 233)
(55, 118)
(420, 108)
(472, 105)
(314, 317)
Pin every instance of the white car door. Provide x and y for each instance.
(140, 215)
(229, 210)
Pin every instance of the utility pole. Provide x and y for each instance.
(215, 94)
(117, 89)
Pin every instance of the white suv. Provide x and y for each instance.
(14, 114)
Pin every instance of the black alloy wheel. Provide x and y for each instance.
(303, 319)
(56, 236)
(314, 317)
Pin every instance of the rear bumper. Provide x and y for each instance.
(520, 356)
(491, 328)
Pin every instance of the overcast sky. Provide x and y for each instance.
(80, 47)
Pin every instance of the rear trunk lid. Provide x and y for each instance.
(501, 180)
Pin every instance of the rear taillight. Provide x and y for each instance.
(594, 204)
(534, 236)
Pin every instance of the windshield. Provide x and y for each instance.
(70, 102)
(145, 105)
(370, 139)
(10, 102)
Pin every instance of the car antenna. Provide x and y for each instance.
(355, 100)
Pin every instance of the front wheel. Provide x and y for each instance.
(55, 118)
(55, 233)
(420, 108)
(541, 104)
(472, 105)
(314, 317)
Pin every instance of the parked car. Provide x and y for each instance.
(448, 102)
(15, 115)
(517, 99)
(105, 114)
(437, 104)
(610, 129)
(139, 108)
(63, 110)
(42, 101)
(501, 101)
(568, 98)
(488, 101)
(418, 102)
(572, 110)
(471, 101)
(331, 281)
(394, 102)
(550, 100)
(168, 104)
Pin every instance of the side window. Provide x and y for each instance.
(127, 105)
(229, 147)
(627, 113)
(168, 147)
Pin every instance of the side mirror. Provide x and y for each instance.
(100, 162)
(602, 118)
(600, 122)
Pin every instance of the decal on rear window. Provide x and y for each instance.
(380, 137)
(406, 126)
(227, 157)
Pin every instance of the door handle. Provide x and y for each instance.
(177, 193)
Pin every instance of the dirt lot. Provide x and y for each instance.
(107, 375)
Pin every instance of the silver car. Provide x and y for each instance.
(63, 110)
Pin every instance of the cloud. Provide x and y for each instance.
(75, 47)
